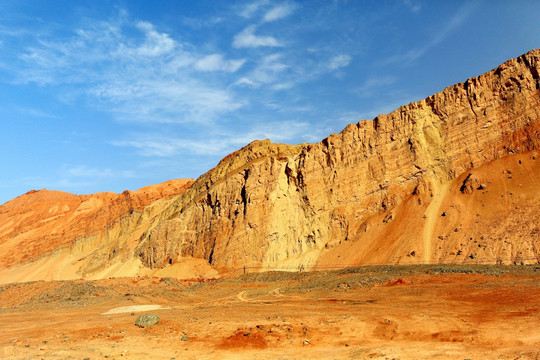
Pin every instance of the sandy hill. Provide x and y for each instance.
(45, 224)
(451, 178)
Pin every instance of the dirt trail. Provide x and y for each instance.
(432, 213)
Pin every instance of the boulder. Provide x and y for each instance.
(147, 320)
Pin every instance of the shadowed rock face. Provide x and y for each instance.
(451, 178)
(377, 185)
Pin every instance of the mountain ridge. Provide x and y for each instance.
(374, 193)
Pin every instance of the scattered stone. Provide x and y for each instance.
(388, 218)
(471, 183)
(147, 320)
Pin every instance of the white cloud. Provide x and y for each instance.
(283, 86)
(155, 43)
(339, 61)
(219, 142)
(143, 76)
(247, 38)
(269, 70)
(201, 23)
(215, 62)
(278, 12)
(250, 9)
(412, 5)
(246, 82)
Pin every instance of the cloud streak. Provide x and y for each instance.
(339, 61)
(135, 71)
(218, 142)
(215, 62)
(278, 12)
(454, 23)
(250, 9)
(247, 39)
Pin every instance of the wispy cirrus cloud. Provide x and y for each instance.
(201, 23)
(220, 141)
(269, 69)
(457, 20)
(278, 12)
(247, 39)
(250, 9)
(413, 5)
(139, 73)
(133, 71)
(216, 62)
(155, 44)
(339, 61)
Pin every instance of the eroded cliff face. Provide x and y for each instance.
(452, 178)
(299, 207)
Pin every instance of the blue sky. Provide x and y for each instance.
(107, 96)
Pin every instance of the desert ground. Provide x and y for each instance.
(370, 312)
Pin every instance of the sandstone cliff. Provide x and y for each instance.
(274, 205)
(451, 178)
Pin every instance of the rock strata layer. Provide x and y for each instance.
(451, 178)
(278, 206)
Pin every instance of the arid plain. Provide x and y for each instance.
(408, 312)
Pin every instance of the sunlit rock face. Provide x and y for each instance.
(375, 192)
(451, 178)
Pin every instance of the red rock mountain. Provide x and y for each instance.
(452, 178)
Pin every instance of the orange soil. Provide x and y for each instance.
(452, 316)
